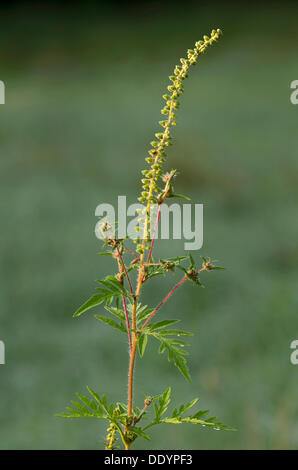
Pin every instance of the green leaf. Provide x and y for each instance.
(112, 323)
(144, 314)
(174, 332)
(174, 353)
(180, 363)
(95, 300)
(117, 312)
(82, 409)
(161, 324)
(208, 423)
(172, 420)
(180, 196)
(90, 403)
(102, 401)
(181, 343)
(177, 259)
(163, 403)
(139, 432)
(111, 288)
(105, 253)
(122, 407)
(189, 405)
(142, 343)
(87, 409)
(112, 283)
(192, 262)
(70, 413)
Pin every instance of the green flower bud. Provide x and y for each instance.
(159, 135)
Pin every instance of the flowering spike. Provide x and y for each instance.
(175, 89)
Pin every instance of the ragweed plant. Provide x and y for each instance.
(122, 300)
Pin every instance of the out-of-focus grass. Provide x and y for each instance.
(83, 92)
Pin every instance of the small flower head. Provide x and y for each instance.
(168, 266)
(207, 265)
(192, 274)
(113, 242)
(148, 401)
(167, 177)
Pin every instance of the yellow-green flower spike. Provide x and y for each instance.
(172, 103)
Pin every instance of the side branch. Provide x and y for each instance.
(164, 300)
(125, 270)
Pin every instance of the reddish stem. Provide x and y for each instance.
(125, 270)
(137, 419)
(164, 300)
(154, 234)
(129, 251)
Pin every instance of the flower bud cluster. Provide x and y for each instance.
(111, 437)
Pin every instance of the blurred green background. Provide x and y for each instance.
(83, 93)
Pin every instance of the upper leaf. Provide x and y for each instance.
(111, 288)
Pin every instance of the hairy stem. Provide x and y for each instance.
(125, 310)
(127, 324)
(141, 266)
(130, 374)
(125, 271)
